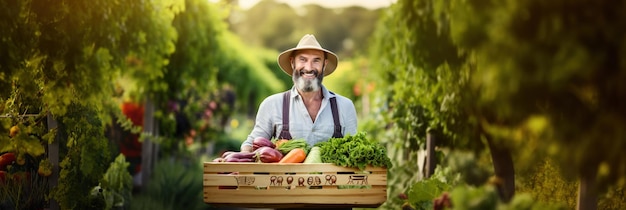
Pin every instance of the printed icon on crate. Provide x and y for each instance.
(358, 178)
(301, 181)
(310, 180)
(313, 181)
(278, 180)
(244, 180)
(331, 179)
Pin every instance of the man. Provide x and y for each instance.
(308, 111)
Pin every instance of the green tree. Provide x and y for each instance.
(268, 23)
(359, 23)
(190, 78)
(278, 26)
(426, 79)
(62, 57)
(516, 75)
(557, 64)
(208, 57)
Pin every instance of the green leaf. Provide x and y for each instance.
(426, 190)
(33, 147)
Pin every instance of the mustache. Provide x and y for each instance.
(303, 71)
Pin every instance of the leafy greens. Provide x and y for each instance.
(354, 151)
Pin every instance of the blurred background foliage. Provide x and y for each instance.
(523, 96)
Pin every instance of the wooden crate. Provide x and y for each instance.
(293, 185)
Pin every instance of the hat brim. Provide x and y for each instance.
(285, 65)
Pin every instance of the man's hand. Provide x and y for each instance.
(246, 148)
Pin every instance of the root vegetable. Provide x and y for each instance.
(296, 155)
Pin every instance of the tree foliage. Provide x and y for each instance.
(74, 60)
(522, 76)
(425, 72)
(426, 83)
(551, 69)
(85, 157)
(62, 57)
(345, 31)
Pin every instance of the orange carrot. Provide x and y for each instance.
(296, 155)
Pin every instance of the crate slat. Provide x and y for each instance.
(300, 196)
(293, 185)
(294, 180)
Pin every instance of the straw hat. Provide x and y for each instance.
(307, 42)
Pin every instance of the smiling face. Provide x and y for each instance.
(308, 66)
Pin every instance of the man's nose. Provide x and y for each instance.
(308, 65)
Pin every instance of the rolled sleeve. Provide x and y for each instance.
(264, 123)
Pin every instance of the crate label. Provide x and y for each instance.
(245, 180)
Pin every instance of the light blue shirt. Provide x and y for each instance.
(269, 118)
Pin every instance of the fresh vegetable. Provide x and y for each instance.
(227, 153)
(235, 159)
(268, 155)
(292, 144)
(296, 155)
(231, 156)
(6, 159)
(314, 156)
(241, 154)
(354, 151)
(260, 141)
(280, 142)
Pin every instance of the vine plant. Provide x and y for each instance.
(69, 59)
(61, 59)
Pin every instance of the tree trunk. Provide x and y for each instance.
(431, 162)
(504, 170)
(149, 149)
(587, 192)
(53, 156)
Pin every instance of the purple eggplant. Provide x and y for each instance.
(260, 141)
(268, 155)
(240, 155)
(227, 153)
(235, 159)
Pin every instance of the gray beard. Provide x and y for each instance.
(307, 85)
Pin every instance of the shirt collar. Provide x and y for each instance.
(325, 93)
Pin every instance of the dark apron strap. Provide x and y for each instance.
(333, 107)
(284, 133)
